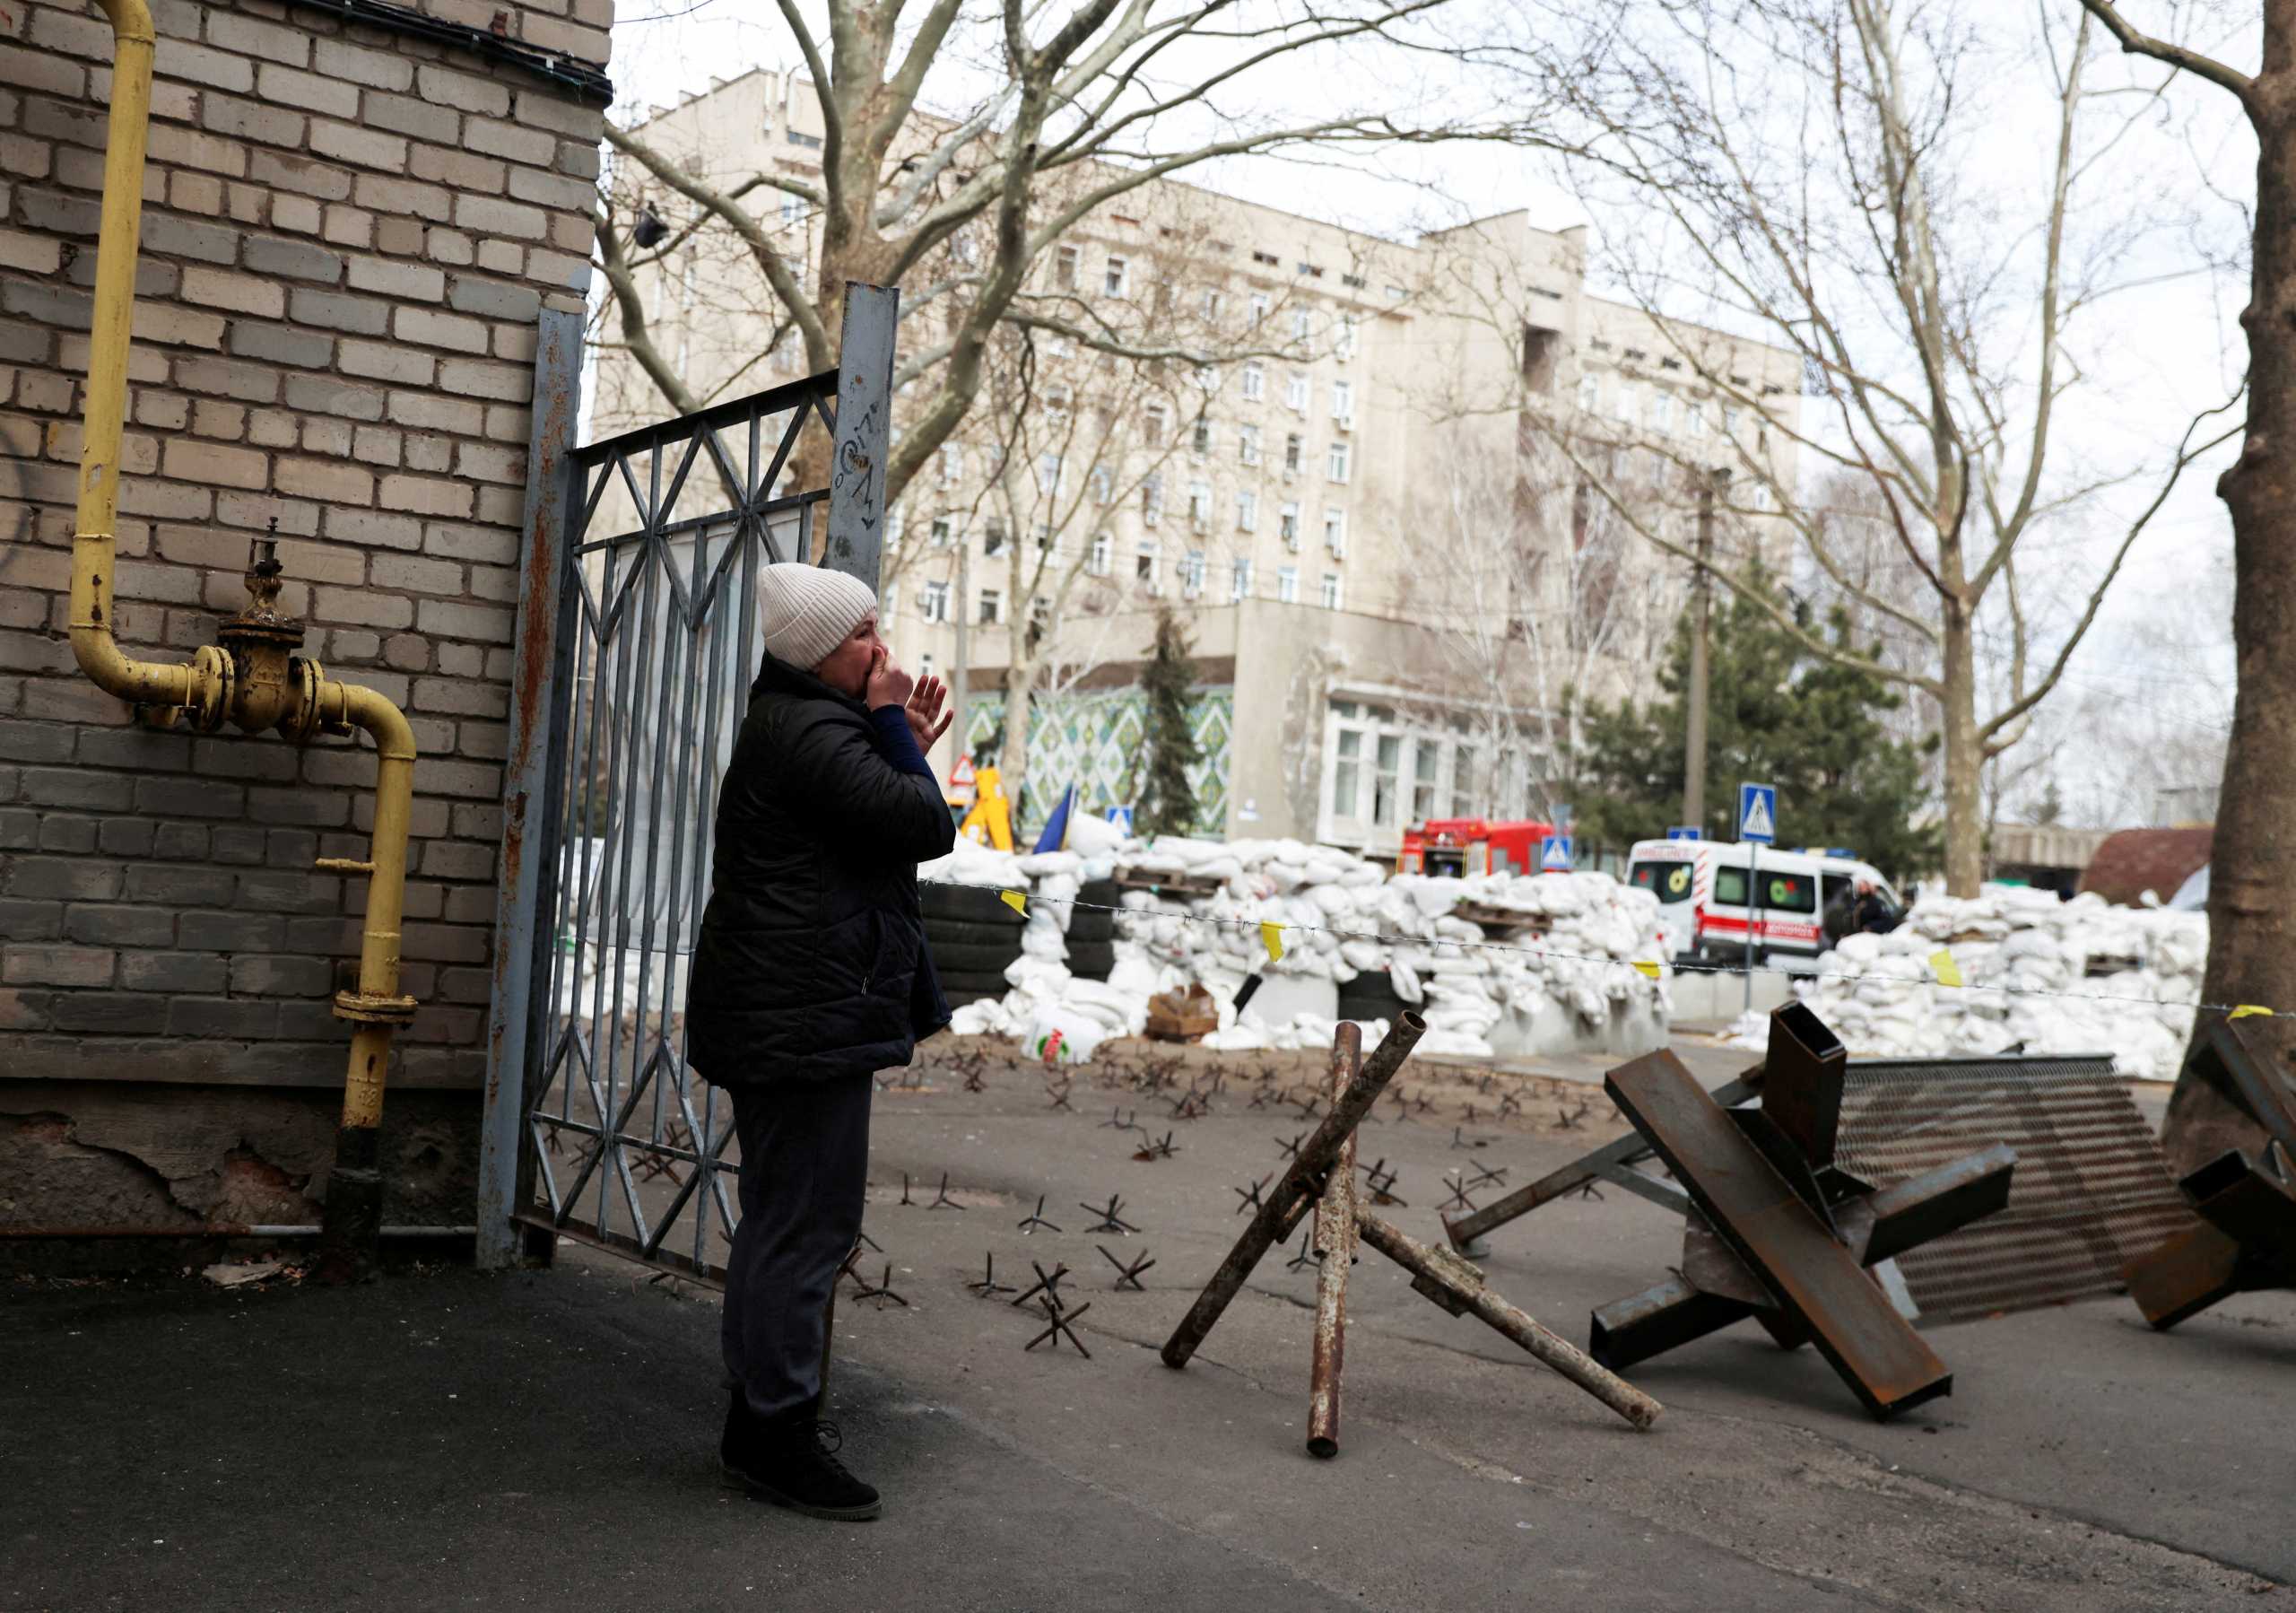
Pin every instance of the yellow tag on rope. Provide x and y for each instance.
(2245, 1009)
(1271, 935)
(1016, 901)
(1949, 973)
(1647, 968)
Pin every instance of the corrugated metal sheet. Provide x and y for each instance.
(2090, 1192)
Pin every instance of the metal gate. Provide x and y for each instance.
(637, 642)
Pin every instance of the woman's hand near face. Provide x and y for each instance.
(888, 684)
(927, 720)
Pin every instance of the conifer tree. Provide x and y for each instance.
(1167, 803)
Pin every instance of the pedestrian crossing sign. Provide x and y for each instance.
(1758, 812)
(1554, 854)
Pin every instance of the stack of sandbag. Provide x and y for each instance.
(1343, 918)
(2039, 976)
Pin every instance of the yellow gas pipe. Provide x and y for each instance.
(252, 678)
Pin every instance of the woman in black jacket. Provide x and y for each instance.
(810, 976)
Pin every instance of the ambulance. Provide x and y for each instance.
(1705, 913)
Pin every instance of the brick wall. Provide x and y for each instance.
(347, 236)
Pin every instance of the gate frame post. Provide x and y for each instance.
(864, 441)
(541, 647)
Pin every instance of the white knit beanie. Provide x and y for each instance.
(807, 611)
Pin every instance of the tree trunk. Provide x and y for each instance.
(1020, 689)
(2252, 880)
(1964, 755)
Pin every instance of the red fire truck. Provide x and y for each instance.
(1472, 845)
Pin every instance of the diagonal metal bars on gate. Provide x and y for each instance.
(646, 606)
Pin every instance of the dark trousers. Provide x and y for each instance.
(804, 1174)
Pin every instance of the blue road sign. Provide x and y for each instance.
(1758, 812)
(1121, 816)
(1554, 854)
(1685, 831)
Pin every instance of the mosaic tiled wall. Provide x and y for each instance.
(1094, 741)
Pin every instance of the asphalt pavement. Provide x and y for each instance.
(447, 1438)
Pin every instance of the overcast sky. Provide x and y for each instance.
(2152, 357)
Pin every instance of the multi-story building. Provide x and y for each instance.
(1367, 503)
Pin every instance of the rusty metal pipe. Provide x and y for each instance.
(1336, 1231)
(1298, 1187)
(1458, 1287)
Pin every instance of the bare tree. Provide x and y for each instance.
(2252, 951)
(1082, 110)
(1829, 199)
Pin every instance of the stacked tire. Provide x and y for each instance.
(973, 935)
(1092, 930)
(1369, 997)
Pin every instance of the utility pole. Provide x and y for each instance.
(960, 675)
(1701, 590)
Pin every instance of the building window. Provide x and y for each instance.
(1102, 557)
(892, 602)
(1119, 282)
(924, 665)
(1049, 474)
(1331, 590)
(1628, 406)
(1199, 436)
(1143, 566)
(1247, 512)
(1346, 338)
(992, 537)
(1662, 413)
(1255, 381)
(1385, 776)
(1103, 485)
(1462, 781)
(1335, 533)
(1302, 324)
(1192, 574)
(1590, 394)
(1730, 423)
(1287, 523)
(1425, 757)
(952, 463)
(1199, 506)
(945, 532)
(1294, 446)
(1239, 580)
(793, 208)
(1287, 584)
(1259, 309)
(1347, 772)
(1046, 544)
(1152, 498)
(1211, 305)
(1064, 268)
(992, 607)
(1335, 466)
(1694, 419)
(1343, 403)
(1152, 421)
(1247, 444)
(933, 602)
(1295, 392)
(809, 142)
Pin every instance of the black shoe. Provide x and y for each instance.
(792, 1462)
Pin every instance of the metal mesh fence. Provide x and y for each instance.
(2090, 1192)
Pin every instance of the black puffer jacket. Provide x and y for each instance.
(811, 960)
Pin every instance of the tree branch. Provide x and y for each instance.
(2134, 43)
